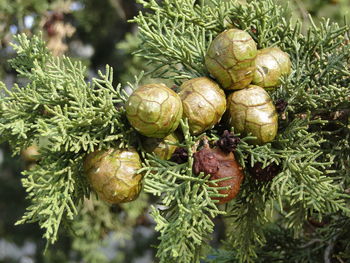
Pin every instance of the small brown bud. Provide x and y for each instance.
(228, 142)
(180, 156)
(281, 105)
(264, 174)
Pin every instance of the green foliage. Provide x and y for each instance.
(96, 220)
(102, 24)
(53, 189)
(176, 35)
(132, 64)
(20, 9)
(333, 9)
(310, 183)
(59, 104)
(69, 117)
(325, 243)
(302, 189)
(185, 219)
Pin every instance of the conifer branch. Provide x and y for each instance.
(67, 117)
(53, 190)
(176, 36)
(308, 182)
(185, 221)
(97, 222)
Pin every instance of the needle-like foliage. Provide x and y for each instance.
(184, 219)
(311, 183)
(69, 117)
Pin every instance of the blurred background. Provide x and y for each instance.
(97, 33)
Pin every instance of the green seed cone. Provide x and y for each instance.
(271, 64)
(113, 174)
(203, 102)
(251, 110)
(162, 149)
(230, 59)
(154, 110)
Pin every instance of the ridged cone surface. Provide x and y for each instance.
(220, 165)
(251, 110)
(154, 110)
(204, 103)
(230, 59)
(113, 174)
(271, 64)
(160, 147)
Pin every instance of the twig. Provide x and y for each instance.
(311, 242)
(339, 259)
(329, 249)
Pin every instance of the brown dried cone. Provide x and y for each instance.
(203, 102)
(162, 149)
(251, 111)
(230, 59)
(317, 223)
(154, 110)
(220, 165)
(113, 174)
(271, 64)
(57, 32)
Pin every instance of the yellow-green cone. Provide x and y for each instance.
(230, 59)
(113, 174)
(162, 149)
(154, 110)
(251, 110)
(271, 64)
(204, 103)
